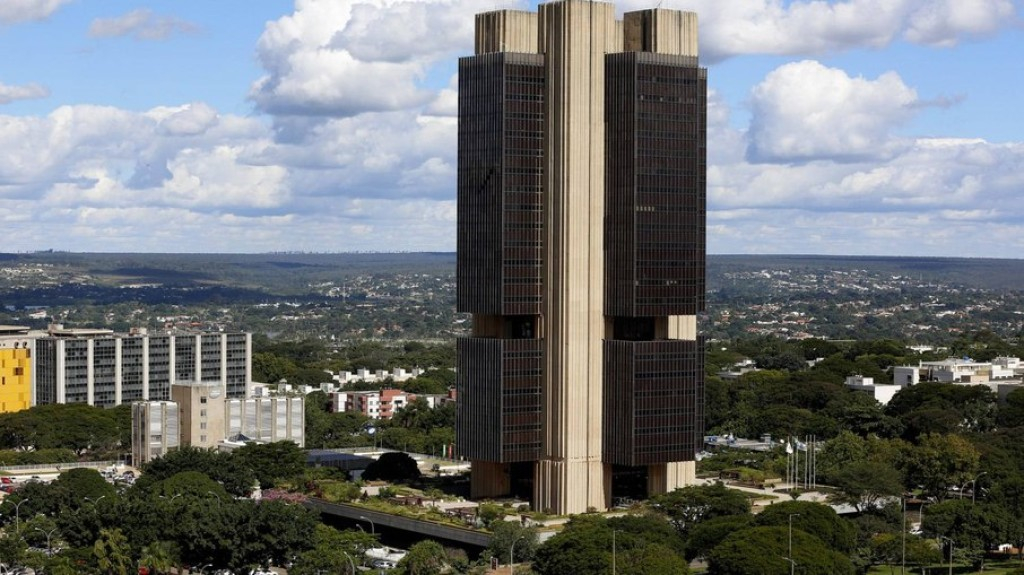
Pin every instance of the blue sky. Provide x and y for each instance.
(885, 127)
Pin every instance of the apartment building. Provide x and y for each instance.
(103, 368)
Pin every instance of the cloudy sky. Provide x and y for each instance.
(882, 127)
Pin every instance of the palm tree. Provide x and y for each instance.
(113, 552)
(160, 556)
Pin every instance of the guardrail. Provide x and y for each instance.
(56, 467)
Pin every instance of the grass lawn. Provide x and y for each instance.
(992, 567)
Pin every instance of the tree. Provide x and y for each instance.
(160, 556)
(392, 466)
(236, 478)
(113, 553)
(75, 487)
(688, 506)
(424, 558)
(864, 484)
(1008, 495)
(194, 484)
(512, 536)
(708, 534)
(939, 462)
(815, 518)
(966, 407)
(1011, 413)
(973, 527)
(332, 551)
(894, 548)
(271, 461)
(764, 551)
(588, 545)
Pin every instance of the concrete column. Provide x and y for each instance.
(575, 36)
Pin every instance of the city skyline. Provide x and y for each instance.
(834, 128)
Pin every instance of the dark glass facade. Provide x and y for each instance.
(500, 184)
(655, 107)
(499, 406)
(653, 401)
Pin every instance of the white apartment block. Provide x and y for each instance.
(103, 368)
(200, 416)
(396, 375)
(155, 429)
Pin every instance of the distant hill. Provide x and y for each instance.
(979, 273)
(292, 274)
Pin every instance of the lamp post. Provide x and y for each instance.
(17, 515)
(903, 538)
(951, 545)
(351, 563)
(49, 534)
(614, 531)
(95, 501)
(511, 551)
(792, 564)
(974, 488)
(373, 528)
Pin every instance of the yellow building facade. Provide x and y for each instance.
(15, 369)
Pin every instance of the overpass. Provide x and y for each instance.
(426, 529)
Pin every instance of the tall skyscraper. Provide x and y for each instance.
(581, 253)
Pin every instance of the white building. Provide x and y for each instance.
(100, 367)
(201, 416)
(882, 393)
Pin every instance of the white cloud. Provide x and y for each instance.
(9, 94)
(140, 24)
(190, 120)
(813, 27)
(342, 59)
(357, 147)
(805, 111)
(946, 22)
(14, 11)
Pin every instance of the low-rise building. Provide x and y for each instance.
(385, 403)
(201, 416)
(883, 393)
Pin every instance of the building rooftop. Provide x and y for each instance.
(13, 330)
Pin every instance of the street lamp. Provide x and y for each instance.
(614, 531)
(792, 564)
(49, 549)
(951, 545)
(903, 538)
(94, 501)
(511, 551)
(17, 515)
(373, 528)
(351, 563)
(974, 488)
